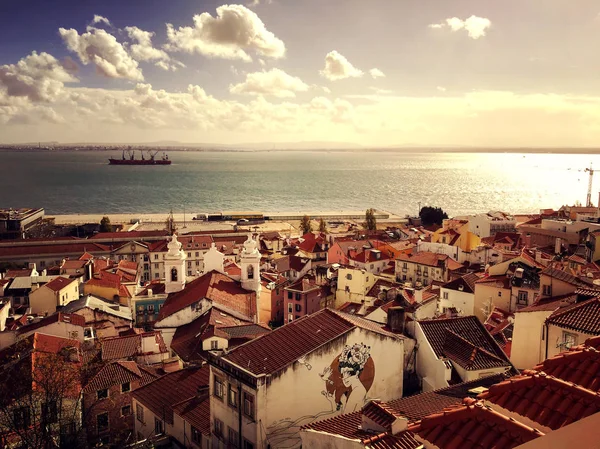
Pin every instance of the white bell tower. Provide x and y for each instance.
(174, 267)
(250, 264)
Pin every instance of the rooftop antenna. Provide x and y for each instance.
(588, 202)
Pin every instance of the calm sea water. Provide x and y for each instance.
(461, 183)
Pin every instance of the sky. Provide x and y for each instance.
(374, 73)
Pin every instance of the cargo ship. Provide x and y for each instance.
(128, 158)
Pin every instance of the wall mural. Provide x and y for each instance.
(349, 378)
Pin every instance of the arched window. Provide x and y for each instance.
(250, 272)
(173, 274)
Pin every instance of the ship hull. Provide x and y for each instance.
(138, 162)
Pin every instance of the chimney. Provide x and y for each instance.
(150, 292)
(395, 319)
(558, 246)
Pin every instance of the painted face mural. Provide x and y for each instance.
(349, 378)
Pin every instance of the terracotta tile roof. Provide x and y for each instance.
(166, 392)
(58, 317)
(263, 355)
(568, 278)
(467, 282)
(473, 426)
(350, 307)
(129, 235)
(218, 288)
(350, 426)
(73, 264)
(59, 283)
(297, 263)
(580, 367)
(425, 258)
(129, 346)
(380, 285)
(501, 280)
(157, 287)
(550, 304)
(245, 331)
(472, 334)
(582, 317)
(312, 243)
(369, 256)
(380, 413)
(593, 342)
(16, 273)
(304, 284)
(196, 411)
(60, 250)
(469, 356)
(118, 372)
(86, 256)
(103, 283)
(187, 340)
(544, 399)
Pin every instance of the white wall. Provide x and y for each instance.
(433, 372)
(322, 440)
(528, 345)
(463, 301)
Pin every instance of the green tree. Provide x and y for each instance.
(305, 225)
(322, 225)
(432, 215)
(370, 221)
(105, 225)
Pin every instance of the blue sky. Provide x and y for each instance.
(478, 72)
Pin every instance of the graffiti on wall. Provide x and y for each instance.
(349, 378)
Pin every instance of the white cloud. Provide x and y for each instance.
(100, 19)
(144, 51)
(376, 73)
(274, 82)
(39, 77)
(475, 26)
(230, 35)
(102, 49)
(254, 3)
(379, 91)
(441, 88)
(337, 67)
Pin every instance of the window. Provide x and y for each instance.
(156, 275)
(190, 264)
(298, 296)
(197, 254)
(232, 396)
(125, 387)
(499, 294)
(189, 272)
(248, 444)
(522, 298)
(445, 295)
(197, 263)
(298, 308)
(218, 387)
(126, 410)
(547, 290)
(156, 257)
(248, 405)
(372, 265)
(102, 394)
(290, 317)
(156, 266)
(290, 295)
(158, 427)
(218, 427)
(233, 438)
(569, 340)
(22, 417)
(196, 436)
(189, 255)
(150, 308)
(49, 412)
(173, 274)
(404, 266)
(349, 276)
(139, 413)
(102, 422)
(214, 344)
(290, 307)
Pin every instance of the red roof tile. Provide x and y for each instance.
(58, 317)
(425, 258)
(582, 317)
(129, 346)
(118, 372)
(129, 235)
(593, 342)
(581, 367)
(73, 264)
(59, 251)
(166, 392)
(263, 355)
(218, 288)
(157, 287)
(196, 411)
(59, 283)
(568, 278)
(550, 304)
(484, 349)
(86, 256)
(544, 399)
(473, 426)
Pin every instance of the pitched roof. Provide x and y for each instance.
(548, 401)
(582, 317)
(129, 345)
(218, 288)
(264, 354)
(163, 394)
(57, 317)
(467, 282)
(425, 258)
(59, 250)
(568, 278)
(118, 372)
(157, 287)
(550, 304)
(581, 367)
(473, 426)
(484, 350)
(59, 283)
(196, 411)
(73, 264)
